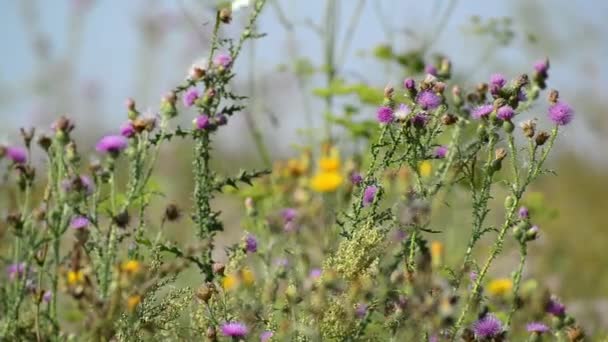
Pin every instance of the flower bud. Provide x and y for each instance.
(205, 292)
(388, 92)
(532, 233)
(509, 202)
(553, 96)
(225, 15)
(449, 119)
(508, 126)
(218, 268)
(45, 142)
(541, 138)
(457, 95)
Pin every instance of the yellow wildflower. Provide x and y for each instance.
(436, 253)
(131, 266)
(75, 277)
(425, 168)
(248, 277)
(500, 287)
(229, 282)
(133, 301)
(329, 164)
(326, 181)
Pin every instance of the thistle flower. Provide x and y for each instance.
(561, 113)
(222, 60)
(420, 120)
(505, 113)
(16, 270)
(251, 244)
(369, 194)
(441, 152)
(487, 327)
(524, 213)
(202, 122)
(315, 273)
(289, 214)
(127, 130)
(409, 84)
(79, 222)
(428, 100)
(541, 67)
(356, 178)
(361, 310)
(555, 307)
(17, 155)
(266, 336)
(190, 97)
(537, 327)
(482, 111)
(234, 329)
(384, 115)
(47, 296)
(112, 144)
(498, 80)
(430, 69)
(402, 112)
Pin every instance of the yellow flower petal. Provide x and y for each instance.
(326, 181)
(133, 301)
(329, 164)
(229, 282)
(500, 287)
(425, 168)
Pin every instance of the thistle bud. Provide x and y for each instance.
(449, 119)
(225, 15)
(445, 68)
(132, 113)
(388, 92)
(532, 233)
(27, 136)
(218, 268)
(509, 202)
(553, 96)
(167, 105)
(172, 212)
(541, 138)
(122, 220)
(508, 126)
(205, 292)
(457, 95)
(45, 142)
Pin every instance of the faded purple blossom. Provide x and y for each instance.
(402, 112)
(234, 329)
(361, 310)
(16, 270)
(561, 113)
(289, 214)
(541, 66)
(315, 273)
(47, 296)
(537, 327)
(498, 80)
(555, 307)
(79, 222)
(488, 326)
(369, 194)
(251, 243)
(384, 115)
(524, 213)
(17, 155)
(221, 119)
(127, 130)
(190, 97)
(266, 336)
(473, 276)
(420, 120)
(505, 113)
(430, 69)
(112, 144)
(202, 122)
(428, 100)
(441, 152)
(223, 60)
(356, 178)
(521, 95)
(409, 84)
(482, 111)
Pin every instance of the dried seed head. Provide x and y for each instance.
(449, 119)
(529, 128)
(575, 333)
(205, 292)
(27, 135)
(211, 334)
(219, 268)
(172, 212)
(553, 96)
(439, 87)
(44, 141)
(541, 138)
(500, 154)
(225, 15)
(389, 91)
(122, 220)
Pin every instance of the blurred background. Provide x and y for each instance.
(83, 58)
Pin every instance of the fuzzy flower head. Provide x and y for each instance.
(402, 112)
(487, 327)
(505, 113)
(15, 270)
(266, 336)
(409, 84)
(420, 120)
(79, 222)
(555, 307)
(384, 115)
(234, 329)
(251, 243)
(428, 100)
(482, 111)
(47, 296)
(112, 144)
(537, 327)
(441, 152)
(190, 97)
(369, 194)
(498, 80)
(356, 178)
(79, 183)
(127, 130)
(202, 122)
(430, 69)
(289, 214)
(222, 60)
(541, 66)
(17, 155)
(524, 213)
(361, 310)
(561, 113)
(315, 273)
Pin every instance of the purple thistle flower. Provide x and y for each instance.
(555, 307)
(112, 144)
(505, 113)
(47, 296)
(428, 100)
(521, 95)
(561, 113)
(488, 326)
(315, 273)
(356, 178)
(127, 130)
(202, 122)
(541, 66)
(369, 194)
(473, 276)
(190, 97)
(289, 214)
(361, 310)
(402, 112)
(498, 80)
(419, 120)
(221, 119)
(409, 84)
(234, 329)
(482, 111)
(79, 222)
(524, 213)
(430, 69)
(537, 327)
(223, 60)
(17, 154)
(265, 336)
(384, 115)
(15, 270)
(441, 152)
(251, 244)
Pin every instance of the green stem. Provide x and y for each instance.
(517, 282)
